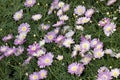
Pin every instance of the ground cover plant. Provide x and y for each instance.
(59, 39)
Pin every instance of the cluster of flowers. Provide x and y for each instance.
(6, 51)
(23, 29)
(108, 27)
(105, 74)
(88, 48)
(80, 10)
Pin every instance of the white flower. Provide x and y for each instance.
(79, 27)
(117, 55)
(59, 57)
(36, 17)
(108, 51)
(64, 17)
(61, 4)
(67, 42)
(77, 47)
(74, 53)
(69, 34)
(115, 72)
(42, 43)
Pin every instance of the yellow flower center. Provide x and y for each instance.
(42, 74)
(50, 37)
(35, 77)
(85, 45)
(24, 28)
(80, 10)
(115, 73)
(34, 48)
(74, 68)
(84, 20)
(18, 15)
(99, 53)
(109, 28)
(47, 60)
(30, 2)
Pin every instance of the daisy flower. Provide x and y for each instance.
(67, 42)
(89, 12)
(45, 26)
(108, 51)
(50, 37)
(29, 3)
(10, 51)
(104, 21)
(59, 39)
(34, 76)
(79, 10)
(66, 7)
(36, 17)
(42, 74)
(19, 50)
(33, 48)
(115, 72)
(59, 12)
(63, 17)
(94, 42)
(7, 38)
(24, 27)
(84, 46)
(82, 20)
(3, 48)
(42, 42)
(59, 57)
(99, 45)
(56, 30)
(61, 4)
(79, 27)
(109, 29)
(19, 41)
(18, 15)
(45, 60)
(70, 33)
(98, 53)
(40, 52)
(59, 23)
(104, 76)
(110, 2)
(73, 68)
(80, 69)
(77, 47)
(74, 53)
(86, 59)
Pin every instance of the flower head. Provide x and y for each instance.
(59, 23)
(67, 42)
(89, 12)
(29, 3)
(3, 48)
(24, 28)
(45, 26)
(8, 37)
(42, 74)
(115, 72)
(98, 53)
(82, 20)
(104, 21)
(33, 48)
(10, 51)
(36, 17)
(45, 60)
(34, 76)
(73, 67)
(18, 15)
(109, 29)
(50, 37)
(79, 10)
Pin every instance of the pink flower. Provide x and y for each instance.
(45, 60)
(89, 12)
(29, 3)
(18, 15)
